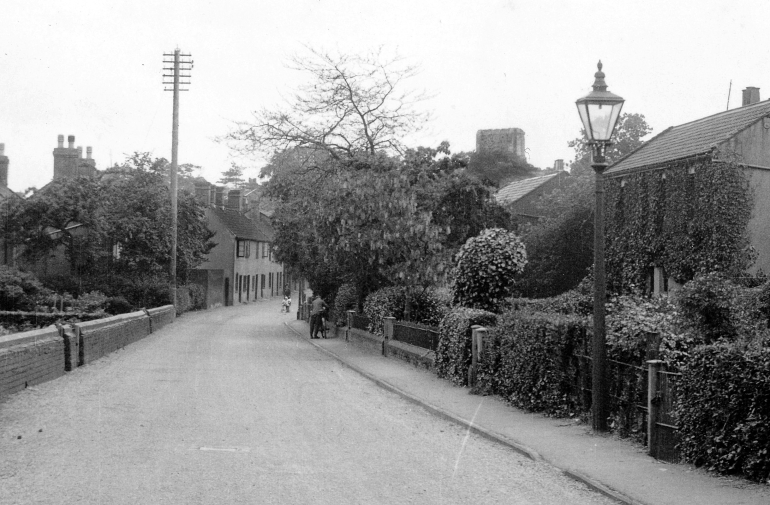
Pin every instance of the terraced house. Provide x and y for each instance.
(241, 266)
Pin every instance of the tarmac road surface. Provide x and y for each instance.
(229, 406)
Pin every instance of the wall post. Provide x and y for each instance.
(653, 405)
(351, 313)
(478, 333)
(387, 327)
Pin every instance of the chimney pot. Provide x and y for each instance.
(60, 139)
(89, 151)
(750, 95)
(71, 141)
(2, 149)
(80, 152)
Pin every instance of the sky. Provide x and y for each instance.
(93, 69)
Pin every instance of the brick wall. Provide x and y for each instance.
(30, 358)
(37, 356)
(103, 336)
(161, 316)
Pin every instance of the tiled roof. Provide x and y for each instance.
(6, 193)
(244, 227)
(691, 139)
(515, 190)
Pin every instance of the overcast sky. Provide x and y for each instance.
(93, 68)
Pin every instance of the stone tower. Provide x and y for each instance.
(508, 140)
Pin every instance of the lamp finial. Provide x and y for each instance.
(599, 84)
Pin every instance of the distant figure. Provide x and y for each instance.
(286, 304)
(316, 315)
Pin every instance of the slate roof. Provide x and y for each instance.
(692, 139)
(244, 227)
(516, 190)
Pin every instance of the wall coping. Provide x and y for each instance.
(26, 337)
(109, 321)
(163, 308)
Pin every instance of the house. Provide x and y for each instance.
(521, 197)
(7, 252)
(243, 252)
(681, 227)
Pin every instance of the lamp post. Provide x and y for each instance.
(599, 111)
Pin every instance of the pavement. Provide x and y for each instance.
(612, 466)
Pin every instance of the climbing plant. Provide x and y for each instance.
(688, 218)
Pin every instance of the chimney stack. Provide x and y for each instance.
(558, 165)
(750, 95)
(61, 142)
(219, 197)
(80, 152)
(3, 167)
(234, 200)
(89, 151)
(203, 193)
(71, 141)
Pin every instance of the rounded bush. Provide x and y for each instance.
(486, 266)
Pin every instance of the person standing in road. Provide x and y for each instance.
(316, 312)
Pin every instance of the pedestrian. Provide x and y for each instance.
(316, 315)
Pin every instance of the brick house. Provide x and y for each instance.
(521, 197)
(243, 252)
(741, 135)
(6, 195)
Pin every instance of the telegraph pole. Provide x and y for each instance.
(182, 65)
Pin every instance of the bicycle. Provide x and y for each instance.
(323, 324)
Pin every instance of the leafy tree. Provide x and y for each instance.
(498, 168)
(233, 176)
(560, 247)
(113, 226)
(486, 267)
(350, 104)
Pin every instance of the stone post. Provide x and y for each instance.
(478, 334)
(351, 313)
(653, 405)
(387, 330)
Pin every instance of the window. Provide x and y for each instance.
(264, 249)
(243, 249)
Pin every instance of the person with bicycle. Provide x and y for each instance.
(317, 312)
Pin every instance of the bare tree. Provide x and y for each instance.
(351, 104)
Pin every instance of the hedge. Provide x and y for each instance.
(723, 409)
(453, 355)
(528, 359)
(428, 307)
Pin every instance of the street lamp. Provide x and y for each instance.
(599, 111)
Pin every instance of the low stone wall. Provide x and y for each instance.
(30, 358)
(37, 356)
(161, 316)
(366, 339)
(417, 356)
(104, 336)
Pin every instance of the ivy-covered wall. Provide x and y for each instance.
(687, 218)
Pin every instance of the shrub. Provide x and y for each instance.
(197, 296)
(93, 301)
(578, 301)
(630, 318)
(486, 266)
(453, 355)
(117, 305)
(428, 307)
(345, 300)
(723, 410)
(529, 359)
(715, 308)
(183, 300)
(20, 290)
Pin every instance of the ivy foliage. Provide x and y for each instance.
(486, 267)
(453, 354)
(687, 223)
(529, 360)
(723, 410)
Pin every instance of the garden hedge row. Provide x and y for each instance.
(453, 355)
(723, 407)
(529, 359)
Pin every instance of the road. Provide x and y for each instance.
(229, 406)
